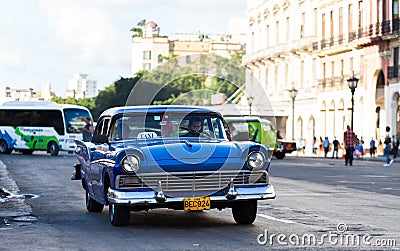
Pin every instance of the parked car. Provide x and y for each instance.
(147, 157)
(256, 129)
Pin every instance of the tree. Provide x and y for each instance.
(138, 29)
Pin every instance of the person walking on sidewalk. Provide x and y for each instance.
(372, 147)
(349, 138)
(386, 151)
(335, 144)
(395, 146)
(326, 146)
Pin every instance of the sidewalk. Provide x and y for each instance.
(366, 157)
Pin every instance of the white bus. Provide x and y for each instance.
(33, 126)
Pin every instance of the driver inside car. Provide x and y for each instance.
(194, 128)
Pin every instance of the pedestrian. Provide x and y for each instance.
(349, 138)
(315, 145)
(395, 146)
(386, 150)
(87, 131)
(361, 147)
(372, 147)
(335, 144)
(326, 146)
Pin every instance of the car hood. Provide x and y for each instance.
(183, 155)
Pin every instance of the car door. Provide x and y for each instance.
(99, 153)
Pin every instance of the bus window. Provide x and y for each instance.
(5, 118)
(75, 119)
(51, 119)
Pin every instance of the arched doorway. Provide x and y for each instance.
(299, 129)
(396, 97)
(323, 116)
(380, 103)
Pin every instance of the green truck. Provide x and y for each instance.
(259, 130)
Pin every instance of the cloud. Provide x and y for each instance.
(192, 4)
(11, 58)
(90, 30)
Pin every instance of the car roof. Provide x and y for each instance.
(157, 108)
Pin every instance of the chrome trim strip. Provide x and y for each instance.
(149, 197)
(190, 181)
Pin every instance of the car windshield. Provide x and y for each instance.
(171, 125)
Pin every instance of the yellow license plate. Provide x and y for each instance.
(195, 204)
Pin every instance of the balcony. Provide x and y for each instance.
(334, 83)
(393, 71)
(390, 29)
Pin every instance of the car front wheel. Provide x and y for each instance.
(244, 212)
(279, 155)
(119, 215)
(92, 205)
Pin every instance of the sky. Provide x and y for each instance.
(48, 41)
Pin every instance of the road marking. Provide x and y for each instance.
(390, 188)
(276, 219)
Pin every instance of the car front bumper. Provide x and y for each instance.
(155, 198)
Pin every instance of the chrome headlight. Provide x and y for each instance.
(131, 163)
(255, 160)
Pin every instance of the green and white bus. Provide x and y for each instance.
(40, 126)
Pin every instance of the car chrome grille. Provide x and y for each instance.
(197, 181)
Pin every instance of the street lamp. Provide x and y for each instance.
(293, 94)
(352, 82)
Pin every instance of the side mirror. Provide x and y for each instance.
(100, 139)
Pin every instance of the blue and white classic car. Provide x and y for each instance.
(179, 157)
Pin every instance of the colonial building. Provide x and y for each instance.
(149, 49)
(311, 48)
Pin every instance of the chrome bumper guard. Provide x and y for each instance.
(158, 197)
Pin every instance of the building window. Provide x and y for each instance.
(252, 41)
(331, 25)
(287, 29)
(341, 71)
(146, 67)
(188, 59)
(333, 73)
(146, 55)
(287, 75)
(340, 22)
(302, 74)
(315, 21)
(314, 71)
(360, 14)
(277, 32)
(351, 65)
(350, 16)
(303, 20)
(323, 26)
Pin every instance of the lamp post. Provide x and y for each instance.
(352, 82)
(250, 101)
(293, 94)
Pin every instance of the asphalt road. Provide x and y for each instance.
(316, 197)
